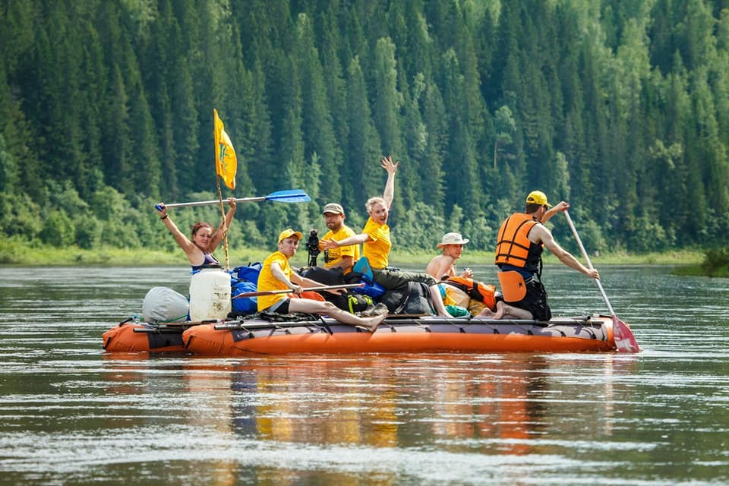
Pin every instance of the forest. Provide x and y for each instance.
(620, 107)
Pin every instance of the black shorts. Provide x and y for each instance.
(535, 301)
(280, 307)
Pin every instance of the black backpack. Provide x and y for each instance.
(414, 300)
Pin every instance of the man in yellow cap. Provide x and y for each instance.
(276, 274)
(520, 243)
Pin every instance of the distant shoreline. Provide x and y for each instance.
(19, 255)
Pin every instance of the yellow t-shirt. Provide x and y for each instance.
(336, 254)
(266, 280)
(377, 248)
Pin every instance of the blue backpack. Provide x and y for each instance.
(362, 273)
(249, 273)
(246, 305)
(245, 279)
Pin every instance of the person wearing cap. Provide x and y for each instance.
(520, 243)
(340, 257)
(276, 274)
(376, 243)
(444, 265)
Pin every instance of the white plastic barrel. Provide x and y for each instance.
(209, 295)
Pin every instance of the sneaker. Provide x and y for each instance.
(380, 309)
(368, 312)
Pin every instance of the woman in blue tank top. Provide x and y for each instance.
(200, 248)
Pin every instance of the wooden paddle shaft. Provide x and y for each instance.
(589, 263)
(304, 289)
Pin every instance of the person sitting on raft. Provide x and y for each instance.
(276, 274)
(200, 250)
(376, 241)
(343, 257)
(444, 265)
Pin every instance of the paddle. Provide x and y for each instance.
(289, 196)
(289, 291)
(624, 339)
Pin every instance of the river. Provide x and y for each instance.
(72, 414)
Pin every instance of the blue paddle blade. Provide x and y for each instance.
(290, 196)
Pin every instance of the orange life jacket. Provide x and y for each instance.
(513, 246)
(475, 290)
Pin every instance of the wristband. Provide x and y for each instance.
(164, 217)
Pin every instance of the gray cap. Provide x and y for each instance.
(333, 208)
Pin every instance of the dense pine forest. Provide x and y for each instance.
(620, 107)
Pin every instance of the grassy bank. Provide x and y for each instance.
(715, 264)
(15, 253)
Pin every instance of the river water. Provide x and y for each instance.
(71, 414)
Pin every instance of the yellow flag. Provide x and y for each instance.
(226, 162)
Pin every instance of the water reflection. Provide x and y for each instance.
(486, 405)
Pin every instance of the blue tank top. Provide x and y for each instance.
(209, 260)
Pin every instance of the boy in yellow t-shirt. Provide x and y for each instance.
(277, 274)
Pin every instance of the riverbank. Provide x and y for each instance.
(13, 253)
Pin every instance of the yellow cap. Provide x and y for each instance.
(538, 197)
(288, 233)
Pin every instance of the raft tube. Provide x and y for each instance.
(397, 335)
(134, 337)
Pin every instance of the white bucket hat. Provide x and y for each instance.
(452, 239)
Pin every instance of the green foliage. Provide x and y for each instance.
(88, 231)
(716, 262)
(591, 236)
(418, 229)
(7, 168)
(620, 108)
(648, 235)
(19, 216)
(58, 229)
(480, 233)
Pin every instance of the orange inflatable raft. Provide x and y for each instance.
(410, 335)
(133, 337)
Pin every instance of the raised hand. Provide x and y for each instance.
(388, 165)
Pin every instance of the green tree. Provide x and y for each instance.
(260, 134)
(360, 176)
(329, 40)
(8, 169)
(460, 164)
(386, 110)
(317, 124)
(58, 229)
(436, 131)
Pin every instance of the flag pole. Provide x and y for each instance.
(225, 160)
(220, 196)
(225, 225)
